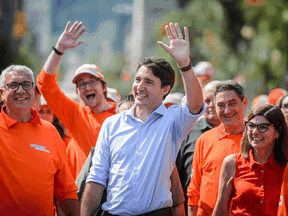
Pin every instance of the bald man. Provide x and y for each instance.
(205, 123)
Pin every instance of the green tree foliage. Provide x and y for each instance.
(237, 37)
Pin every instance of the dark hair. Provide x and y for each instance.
(57, 125)
(281, 101)
(161, 69)
(274, 115)
(230, 85)
(125, 99)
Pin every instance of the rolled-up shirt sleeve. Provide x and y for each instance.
(99, 170)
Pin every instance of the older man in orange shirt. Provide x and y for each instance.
(214, 145)
(33, 166)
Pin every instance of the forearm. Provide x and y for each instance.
(192, 210)
(70, 207)
(91, 198)
(179, 210)
(192, 89)
(221, 209)
(52, 64)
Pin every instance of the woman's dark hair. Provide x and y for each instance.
(274, 115)
(161, 69)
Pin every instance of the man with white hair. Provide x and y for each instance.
(206, 122)
(204, 71)
(83, 121)
(34, 166)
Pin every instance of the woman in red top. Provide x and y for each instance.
(250, 181)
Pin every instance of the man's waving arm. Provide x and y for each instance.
(67, 40)
(179, 49)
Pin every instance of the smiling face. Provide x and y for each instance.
(92, 96)
(230, 108)
(262, 141)
(147, 90)
(18, 100)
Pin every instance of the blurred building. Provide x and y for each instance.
(12, 30)
(114, 27)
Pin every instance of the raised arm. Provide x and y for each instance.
(67, 40)
(225, 190)
(179, 49)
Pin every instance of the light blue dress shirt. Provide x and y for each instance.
(138, 158)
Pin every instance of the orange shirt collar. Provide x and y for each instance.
(10, 121)
(271, 160)
(221, 133)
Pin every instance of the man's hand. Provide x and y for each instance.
(68, 38)
(179, 47)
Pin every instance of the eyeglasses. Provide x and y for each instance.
(92, 82)
(263, 127)
(14, 86)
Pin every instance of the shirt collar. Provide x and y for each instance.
(202, 124)
(253, 162)
(10, 121)
(160, 110)
(221, 133)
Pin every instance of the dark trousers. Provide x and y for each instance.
(160, 212)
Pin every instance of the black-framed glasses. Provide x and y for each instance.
(263, 127)
(14, 86)
(92, 82)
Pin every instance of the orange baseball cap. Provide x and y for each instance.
(88, 69)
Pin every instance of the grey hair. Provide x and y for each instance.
(13, 68)
(230, 85)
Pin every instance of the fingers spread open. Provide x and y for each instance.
(186, 34)
(173, 32)
(67, 26)
(74, 26)
(178, 31)
(168, 33)
(78, 27)
(80, 33)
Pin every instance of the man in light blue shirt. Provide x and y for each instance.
(136, 150)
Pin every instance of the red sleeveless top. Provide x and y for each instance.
(256, 187)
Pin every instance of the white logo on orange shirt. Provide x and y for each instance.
(281, 200)
(191, 173)
(38, 147)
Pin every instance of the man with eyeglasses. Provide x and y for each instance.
(214, 145)
(83, 121)
(33, 167)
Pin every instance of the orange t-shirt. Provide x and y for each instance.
(211, 149)
(83, 124)
(33, 167)
(256, 189)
